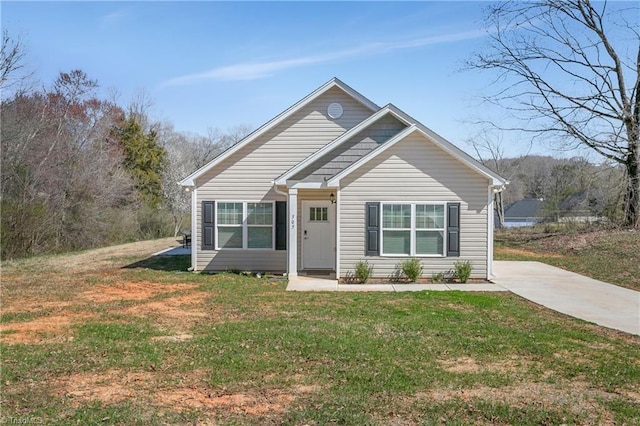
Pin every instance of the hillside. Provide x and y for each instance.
(610, 255)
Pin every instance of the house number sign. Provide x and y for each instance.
(293, 221)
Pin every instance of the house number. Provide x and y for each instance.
(293, 221)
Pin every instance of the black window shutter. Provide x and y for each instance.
(208, 225)
(453, 229)
(372, 229)
(281, 225)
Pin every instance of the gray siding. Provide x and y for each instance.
(414, 170)
(247, 175)
(351, 150)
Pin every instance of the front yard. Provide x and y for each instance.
(113, 337)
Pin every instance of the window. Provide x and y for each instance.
(396, 229)
(413, 229)
(260, 225)
(230, 225)
(429, 229)
(318, 214)
(244, 225)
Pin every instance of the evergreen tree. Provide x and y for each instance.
(145, 159)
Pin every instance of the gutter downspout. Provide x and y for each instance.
(493, 189)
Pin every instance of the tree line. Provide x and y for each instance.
(568, 187)
(80, 171)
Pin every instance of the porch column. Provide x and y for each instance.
(292, 233)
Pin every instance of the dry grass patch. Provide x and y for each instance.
(172, 312)
(46, 329)
(108, 387)
(470, 365)
(576, 397)
(272, 401)
(130, 291)
(528, 253)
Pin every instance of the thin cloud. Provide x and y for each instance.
(113, 18)
(258, 70)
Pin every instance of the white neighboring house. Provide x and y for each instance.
(336, 179)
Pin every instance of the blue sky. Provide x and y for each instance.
(217, 64)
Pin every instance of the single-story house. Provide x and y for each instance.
(525, 212)
(336, 179)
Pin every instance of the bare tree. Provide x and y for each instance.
(12, 67)
(570, 69)
(489, 148)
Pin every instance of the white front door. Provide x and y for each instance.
(318, 235)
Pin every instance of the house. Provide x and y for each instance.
(335, 179)
(525, 212)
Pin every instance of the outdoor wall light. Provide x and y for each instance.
(332, 198)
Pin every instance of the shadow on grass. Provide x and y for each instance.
(163, 263)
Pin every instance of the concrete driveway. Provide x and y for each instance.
(572, 294)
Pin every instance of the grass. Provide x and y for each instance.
(143, 342)
(610, 255)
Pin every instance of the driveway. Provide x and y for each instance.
(572, 294)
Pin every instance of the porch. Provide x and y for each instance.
(312, 233)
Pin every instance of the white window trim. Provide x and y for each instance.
(245, 226)
(413, 229)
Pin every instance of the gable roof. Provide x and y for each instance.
(334, 82)
(527, 208)
(413, 125)
(466, 159)
(325, 150)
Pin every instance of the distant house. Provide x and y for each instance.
(526, 212)
(336, 179)
(579, 207)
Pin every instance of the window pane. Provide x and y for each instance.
(260, 237)
(429, 216)
(318, 214)
(396, 216)
(429, 242)
(229, 213)
(259, 213)
(230, 236)
(396, 242)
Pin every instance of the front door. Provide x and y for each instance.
(318, 235)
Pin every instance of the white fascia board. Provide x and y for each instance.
(335, 181)
(388, 109)
(309, 185)
(334, 82)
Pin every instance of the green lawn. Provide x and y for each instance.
(152, 344)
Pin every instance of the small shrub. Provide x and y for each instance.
(363, 271)
(463, 270)
(411, 268)
(437, 278)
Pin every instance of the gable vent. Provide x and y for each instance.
(335, 110)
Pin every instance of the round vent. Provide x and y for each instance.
(335, 110)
